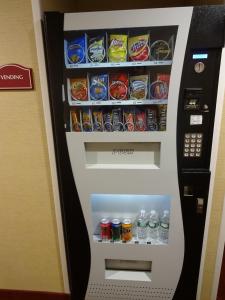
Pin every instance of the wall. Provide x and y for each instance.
(29, 256)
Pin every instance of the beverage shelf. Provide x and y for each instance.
(134, 241)
(119, 102)
(120, 64)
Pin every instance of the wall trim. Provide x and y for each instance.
(32, 295)
(37, 16)
(214, 157)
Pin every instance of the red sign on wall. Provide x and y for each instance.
(15, 77)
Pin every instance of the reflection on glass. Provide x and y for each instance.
(139, 219)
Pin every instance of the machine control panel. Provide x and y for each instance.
(193, 144)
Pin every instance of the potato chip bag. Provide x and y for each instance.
(138, 47)
(118, 86)
(99, 87)
(76, 50)
(117, 51)
(79, 89)
(138, 87)
(96, 49)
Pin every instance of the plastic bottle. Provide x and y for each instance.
(153, 225)
(164, 227)
(142, 224)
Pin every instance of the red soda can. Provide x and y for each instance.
(105, 229)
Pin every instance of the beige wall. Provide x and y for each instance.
(29, 256)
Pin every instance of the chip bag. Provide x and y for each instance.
(118, 86)
(138, 87)
(76, 50)
(86, 119)
(140, 120)
(97, 117)
(99, 87)
(79, 89)
(96, 49)
(138, 47)
(117, 51)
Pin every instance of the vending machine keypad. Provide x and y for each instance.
(193, 144)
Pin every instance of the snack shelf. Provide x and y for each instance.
(119, 102)
(134, 241)
(120, 64)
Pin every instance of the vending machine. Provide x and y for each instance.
(133, 98)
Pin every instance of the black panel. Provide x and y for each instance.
(207, 27)
(75, 231)
(197, 102)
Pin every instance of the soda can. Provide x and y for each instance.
(105, 229)
(116, 229)
(126, 230)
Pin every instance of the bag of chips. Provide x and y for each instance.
(162, 109)
(138, 87)
(117, 51)
(138, 47)
(99, 87)
(118, 86)
(96, 49)
(79, 89)
(76, 50)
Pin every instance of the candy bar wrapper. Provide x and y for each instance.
(117, 51)
(97, 49)
(97, 117)
(129, 117)
(107, 120)
(138, 87)
(152, 118)
(140, 120)
(118, 86)
(79, 89)
(99, 87)
(162, 111)
(138, 47)
(75, 117)
(76, 50)
(86, 119)
(117, 119)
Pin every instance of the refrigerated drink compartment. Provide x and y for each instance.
(143, 155)
(131, 219)
(135, 270)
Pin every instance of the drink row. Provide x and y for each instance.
(115, 48)
(145, 226)
(119, 86)
(151, 118)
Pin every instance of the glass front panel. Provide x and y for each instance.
(136, 219)
(118, 79)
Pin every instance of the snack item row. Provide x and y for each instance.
(149, 118)
(114, 48)
(118, 86)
